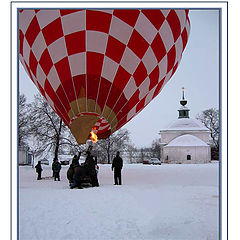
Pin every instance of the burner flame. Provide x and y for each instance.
(93, 136)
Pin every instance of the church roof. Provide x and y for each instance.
(187, 140)
(184, 122)
(187, 124)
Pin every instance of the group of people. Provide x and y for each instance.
(56, 167)
(77, 174)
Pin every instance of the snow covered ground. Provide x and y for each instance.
(177, 202)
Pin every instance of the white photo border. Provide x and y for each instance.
(223, 25)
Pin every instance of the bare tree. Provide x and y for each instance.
(115, 142)
(145, 153)
(132, 153)
(22, 120)
(71, 146)
(156, 148)
(47, 129)
(210, 118)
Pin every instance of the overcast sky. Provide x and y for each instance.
(198, 73)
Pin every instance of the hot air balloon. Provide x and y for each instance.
(99, 68)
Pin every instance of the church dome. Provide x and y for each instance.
(187, 140)
(186, 124)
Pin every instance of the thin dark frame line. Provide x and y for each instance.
(11, 183)
(220, 125)
(227, 118)
(119, 2)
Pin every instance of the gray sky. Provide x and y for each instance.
(198, 72)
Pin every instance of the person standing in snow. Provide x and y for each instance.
(56, 167)
(96, 166)
(72, 170)
(117, 165)
(39, 170)
(90, 166)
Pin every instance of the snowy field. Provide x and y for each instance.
(177, 202)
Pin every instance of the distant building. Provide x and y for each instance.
(24, 157)
(186, 140)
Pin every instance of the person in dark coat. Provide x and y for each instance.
(78, 177)
(72, 170)
(56, 167)
(117, 165)
(39, 170)
(90, 166)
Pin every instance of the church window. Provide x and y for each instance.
(188, 157)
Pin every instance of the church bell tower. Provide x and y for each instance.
(183, 111)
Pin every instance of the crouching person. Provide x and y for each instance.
(78, 177)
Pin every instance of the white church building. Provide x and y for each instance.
(186, 140)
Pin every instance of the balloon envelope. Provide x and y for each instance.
(99, 68)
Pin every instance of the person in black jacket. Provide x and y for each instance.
(78, 177)
(74, 175)
(90, 166)
(56, 167)
(73, 166)
(117, 165)
(39, 170)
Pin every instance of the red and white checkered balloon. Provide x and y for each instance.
(99, 68)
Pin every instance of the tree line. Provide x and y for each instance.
(42, 132)
(210, 119)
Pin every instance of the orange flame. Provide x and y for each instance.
(93, 136)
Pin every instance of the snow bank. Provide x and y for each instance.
(155, 202)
